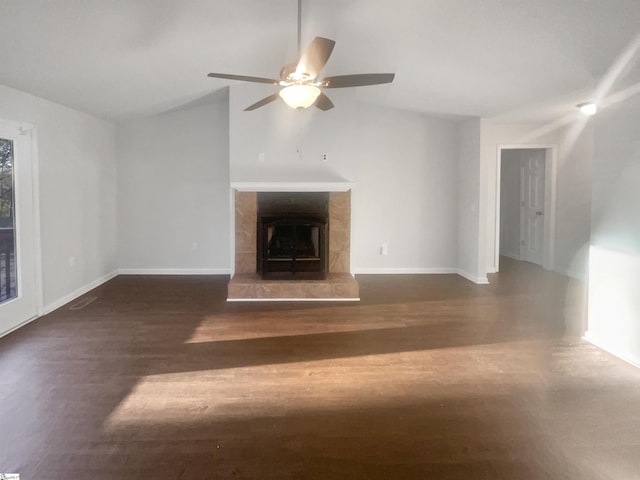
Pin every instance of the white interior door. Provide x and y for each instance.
(533, 179)
(18, 299)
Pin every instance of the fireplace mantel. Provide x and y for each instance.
(291, 186)
(289, 178)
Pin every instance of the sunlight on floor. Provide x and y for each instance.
(317, 320)
(184, 398)
(293, 323)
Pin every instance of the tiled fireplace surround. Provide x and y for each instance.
(246, 283)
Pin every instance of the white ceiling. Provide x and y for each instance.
(123, 58)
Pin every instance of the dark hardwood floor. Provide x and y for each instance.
(427, 377)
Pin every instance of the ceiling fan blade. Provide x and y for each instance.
(263, 102)
(323, 102)
(244, 78)
(358, 80)
(315, 57)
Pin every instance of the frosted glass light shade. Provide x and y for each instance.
(299, 96)
(588, 108)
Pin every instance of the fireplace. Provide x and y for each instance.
(292, 231)
(314, 229)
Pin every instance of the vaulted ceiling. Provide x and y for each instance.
(122, 58)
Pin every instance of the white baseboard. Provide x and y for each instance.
(479, 280)
(174, 271)
(404, 271)
(569, 273)
(356, 299)
(422, 271)
(515, 256)
(492, 270)
(622, 356)
(16, 327)
(75, 294)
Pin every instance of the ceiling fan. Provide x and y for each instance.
(301, 87)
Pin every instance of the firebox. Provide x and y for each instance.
(292, 235)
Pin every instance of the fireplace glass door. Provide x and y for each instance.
(292, 248)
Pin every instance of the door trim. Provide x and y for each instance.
(29, 129)
(550, 181)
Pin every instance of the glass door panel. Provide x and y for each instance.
(8, 265)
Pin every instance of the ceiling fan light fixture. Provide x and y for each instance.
(299, 96)
(588, 108)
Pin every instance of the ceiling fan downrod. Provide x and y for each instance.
(299, 26)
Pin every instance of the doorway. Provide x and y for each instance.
(526, 204)
(18, 265)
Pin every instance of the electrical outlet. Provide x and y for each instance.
(194, 247)
(384, 249)
(325, 157)
(72, 261)
(261, 157)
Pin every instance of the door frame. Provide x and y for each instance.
(30, 130)
(550, 181)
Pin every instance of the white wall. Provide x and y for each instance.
(77, 182)
(469, 208)
(173, 190)
(403, 165)
(510, 203)
(614, 269)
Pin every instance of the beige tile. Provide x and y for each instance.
(339, 262)
(318, 290)
(245, 231)
(245, 262)
(340, 231)
(252, 286)
(346, 290)
(245, 239)
(241, 291)
(284, 289)
(246, 201)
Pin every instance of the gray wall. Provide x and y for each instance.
(77, 188)
(573, 212)
(510, 203)
(173, 191)
(406, 191)
(469, 175)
